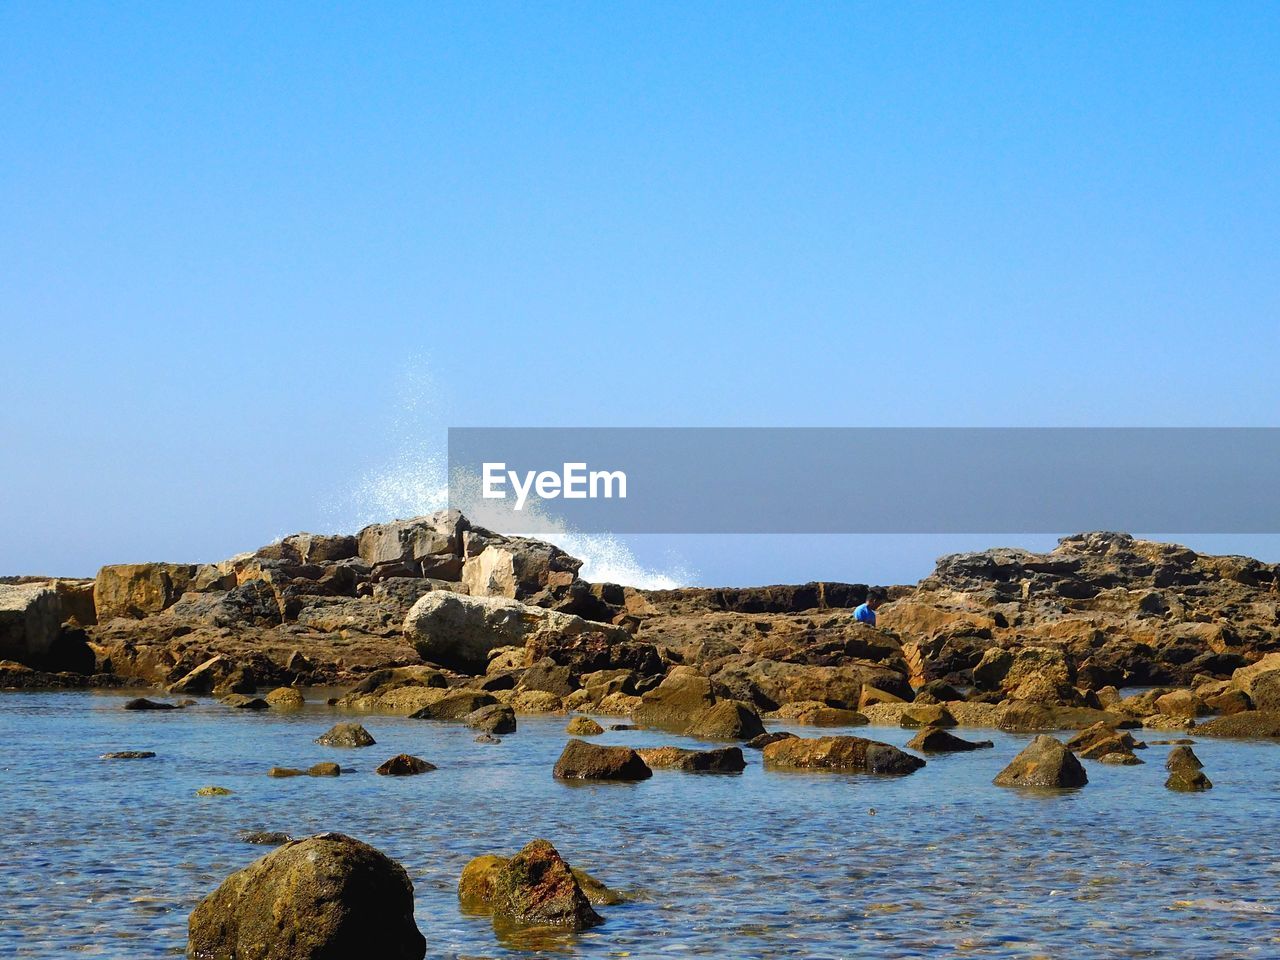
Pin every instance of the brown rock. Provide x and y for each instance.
(1043, 763)
(586, 761)
(536, 886)
(937, 740)
(326, 896)
(583, 727)
(852, 754)
(404, 765)
(346, 734)
(722, 760)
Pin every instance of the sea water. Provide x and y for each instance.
(107, 858)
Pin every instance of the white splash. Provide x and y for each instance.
(414, 482)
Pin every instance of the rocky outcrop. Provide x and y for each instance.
(30, 623)
(1044, 762)
(321, 897)
(587, 761)
(841, 754)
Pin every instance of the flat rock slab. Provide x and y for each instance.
(722, 760)
(129, 755)
(937, 740)
(839, 754)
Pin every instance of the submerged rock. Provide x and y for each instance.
(404, 765)
(129, 755)
(536, 886)
(721, 760)
(764, 739)
(327, 896)
(242, 701)
(213, 792)
(265, 838)
(142, 703)
(1188, 780)
(457, 705)
(588, 761)
(281, 772)
(1043, 763)
(346, 734)
(851, 754)
(583, 727)
(937, 740)
(326, 768)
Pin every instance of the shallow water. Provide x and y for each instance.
(107, 858)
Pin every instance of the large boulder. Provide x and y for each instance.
(1043, 763)
(422, 547)
(459, 631)
(587, 761)
(537, 887)
(516, 567)
(30, 621)
(139, 589)
(727, 720)
(677, 702)
(842, 754)
(326, 896)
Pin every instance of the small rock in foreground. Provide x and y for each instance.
(326, 768)
(213, 792)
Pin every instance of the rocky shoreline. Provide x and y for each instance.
(435, 619)
(402, 612)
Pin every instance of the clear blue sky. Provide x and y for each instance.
(252, 257)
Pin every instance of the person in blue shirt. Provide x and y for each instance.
(866, 613)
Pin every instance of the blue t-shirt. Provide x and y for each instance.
(865, 614)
